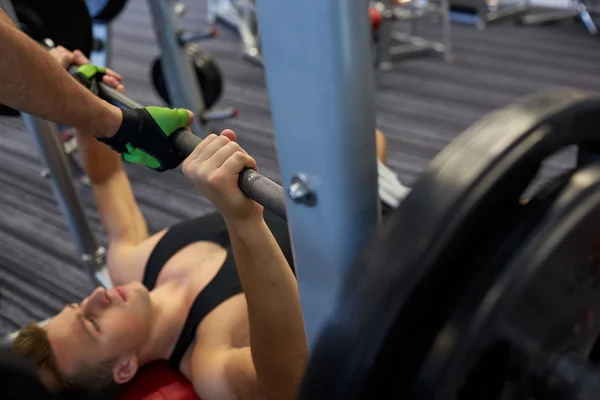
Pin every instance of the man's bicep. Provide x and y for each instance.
(226, 374)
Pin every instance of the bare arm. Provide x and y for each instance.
(33, 82)
(277, 335)
(278, 346)
(121, 217)
(118, 209)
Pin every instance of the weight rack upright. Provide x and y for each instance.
(321, 92)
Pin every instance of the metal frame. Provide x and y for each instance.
(322, 96)
(410, 45)
(487, 11)
(239, 15)
(579, 8)
(47, 138)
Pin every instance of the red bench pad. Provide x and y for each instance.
(156, 381)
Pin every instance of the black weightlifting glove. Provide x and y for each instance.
(145, 137)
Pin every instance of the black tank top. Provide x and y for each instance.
(224, 285)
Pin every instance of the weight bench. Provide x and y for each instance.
(156, 381)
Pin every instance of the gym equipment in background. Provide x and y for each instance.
(410, 11)
(69, 146)
(482, 12)
(239, 15)
(206, 70)
(581, 9)
(468, 293)
(179, 65)
(105, 10)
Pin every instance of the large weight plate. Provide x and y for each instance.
(207, 72)
(542, 302)
(66, 22)
(105, 10)
(485, 265)
(411, 278)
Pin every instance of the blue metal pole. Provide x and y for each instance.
(319, 72)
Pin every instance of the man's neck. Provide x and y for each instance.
(166, 324)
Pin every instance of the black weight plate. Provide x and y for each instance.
(66, 22)
(408, 281)
(208, 75)
(447, 372)
(542, 303)
(105, 10)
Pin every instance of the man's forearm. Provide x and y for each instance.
(277, 335)
(119, 212)
(32, 81)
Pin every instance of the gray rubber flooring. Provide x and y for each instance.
(422, 104)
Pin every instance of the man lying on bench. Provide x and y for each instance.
(215, 296)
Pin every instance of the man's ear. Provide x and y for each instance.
(125, 369)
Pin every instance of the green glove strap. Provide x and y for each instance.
(139, 156)
(169, 120)
(89, 70)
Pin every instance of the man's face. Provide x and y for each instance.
(107, 324)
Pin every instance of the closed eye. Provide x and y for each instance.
(91, 321)
(95, 325)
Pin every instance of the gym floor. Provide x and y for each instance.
(421, 106)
